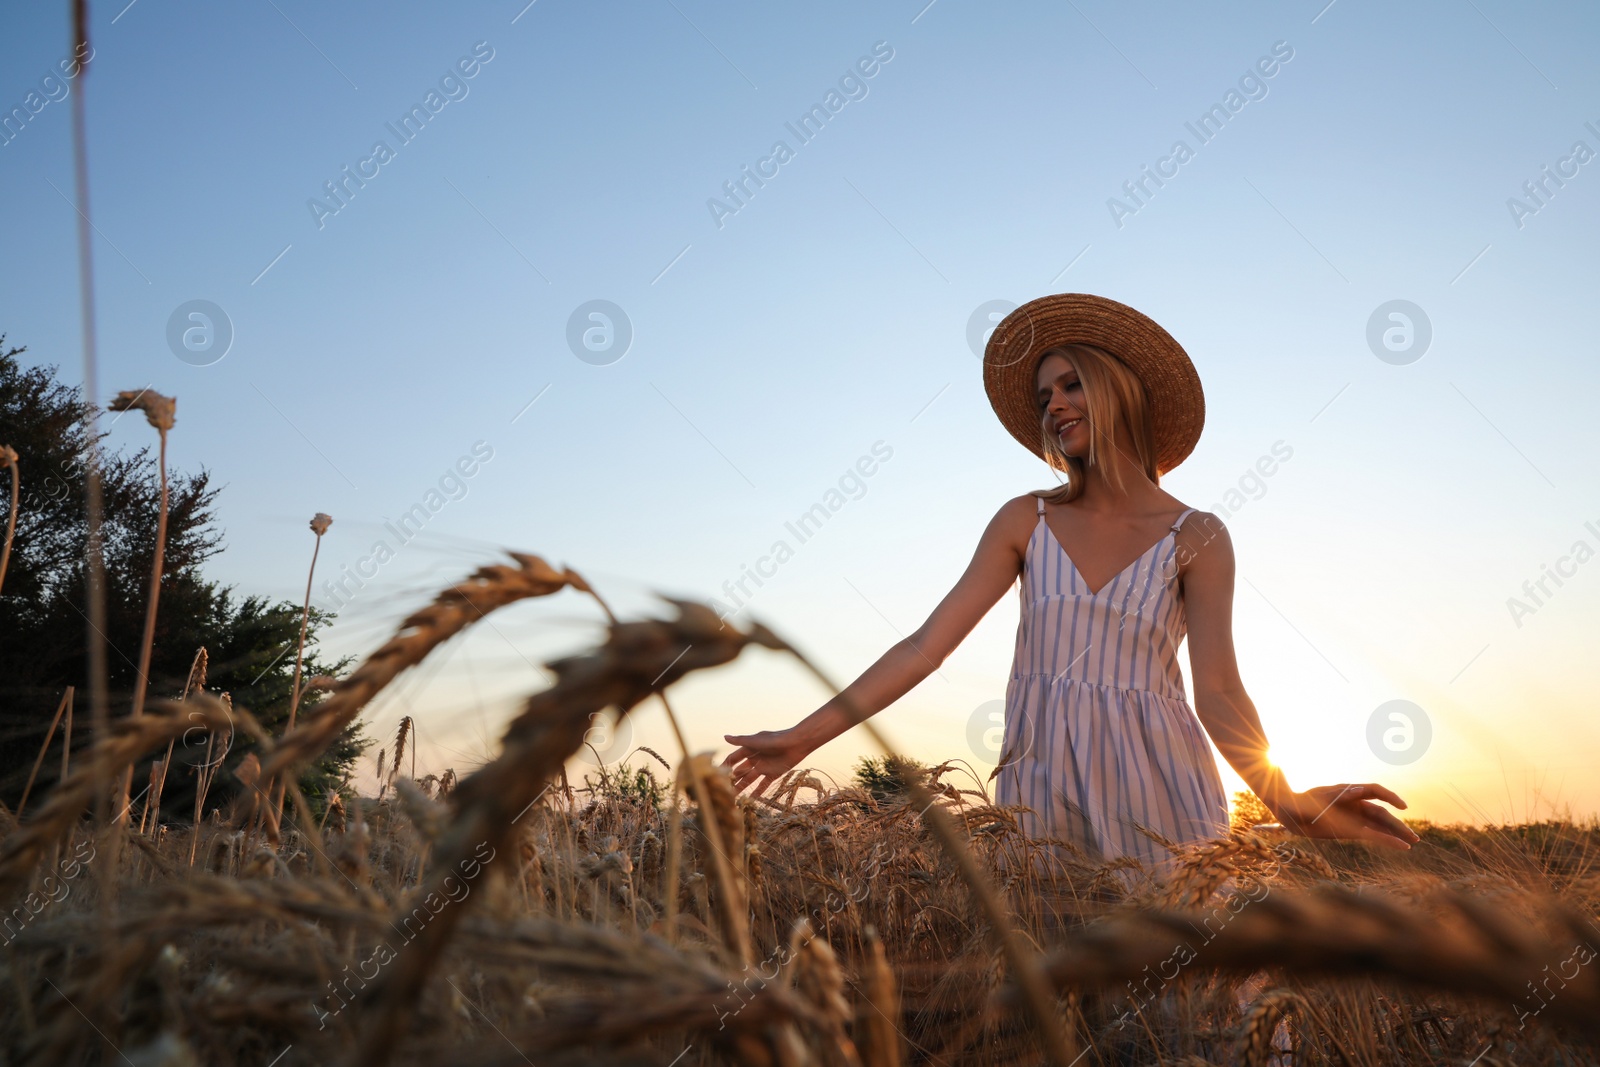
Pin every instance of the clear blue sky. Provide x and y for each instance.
(772, 347)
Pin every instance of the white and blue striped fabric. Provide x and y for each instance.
(1098, 733)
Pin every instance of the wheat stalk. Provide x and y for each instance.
(8, 456)
(66, 702)
(196, 680)
(205, 774)
(723, 831)
(319, 526)
(159, 412)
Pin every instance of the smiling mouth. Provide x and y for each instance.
(1063, 427)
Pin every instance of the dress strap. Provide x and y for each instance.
(1180, 519)
(1040, 499)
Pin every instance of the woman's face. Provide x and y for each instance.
(1061, 403)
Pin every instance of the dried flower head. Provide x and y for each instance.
(160, 411)
(8, 455)
(320, 523)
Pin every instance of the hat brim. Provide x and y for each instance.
(1177, 406)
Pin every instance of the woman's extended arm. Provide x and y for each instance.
(1225, 709)
(763, 757)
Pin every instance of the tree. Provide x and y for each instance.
(249, 640)
(887, 778)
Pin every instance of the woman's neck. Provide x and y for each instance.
(1137, 492)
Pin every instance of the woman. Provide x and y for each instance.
(1099, 738)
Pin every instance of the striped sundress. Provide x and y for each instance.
(1098, 733)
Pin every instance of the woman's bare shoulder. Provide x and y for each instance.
(1203, 530)
(1014, 521)
(1020, 511)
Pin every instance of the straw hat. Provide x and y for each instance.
(1172, 387)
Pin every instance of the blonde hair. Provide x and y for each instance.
(1112, 393)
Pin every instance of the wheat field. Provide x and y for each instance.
(648, 915)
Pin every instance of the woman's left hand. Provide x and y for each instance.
(1347, 812)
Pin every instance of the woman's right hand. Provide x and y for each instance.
(762, 758)
(1347, 813)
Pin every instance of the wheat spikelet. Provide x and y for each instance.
(659, 757)
(1457, 944)
(204, 899)
(721, 828)
(752, 845)
(400, 738)
(1261, 1023)
(197, 672)
(649, 987)
(452, 611)
(813, 971)
(426, 814)
(158, 768)
(248, 802)
(883, 1006)
(725, 810)
(352, 856)
(814, 974)
(790, 785)
(1201, 869)
(335, 807)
